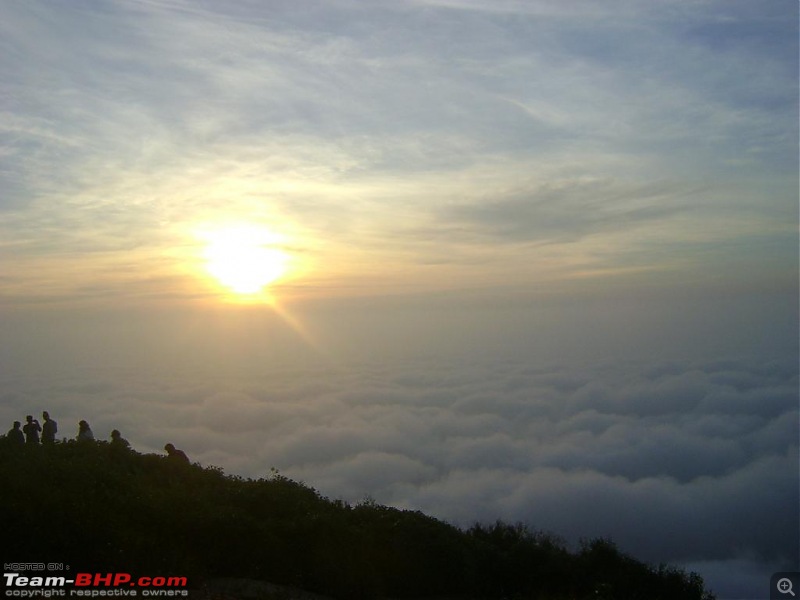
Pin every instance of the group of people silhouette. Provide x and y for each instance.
(29, 435)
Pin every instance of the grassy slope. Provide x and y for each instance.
(99, 508)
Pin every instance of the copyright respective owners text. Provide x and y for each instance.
(61, 580)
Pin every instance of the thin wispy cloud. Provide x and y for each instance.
(149, 113)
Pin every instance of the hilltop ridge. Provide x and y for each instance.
(107, 509)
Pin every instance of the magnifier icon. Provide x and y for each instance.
(785, 586)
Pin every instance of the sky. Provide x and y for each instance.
(527, 260)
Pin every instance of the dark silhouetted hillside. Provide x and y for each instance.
(105, 509)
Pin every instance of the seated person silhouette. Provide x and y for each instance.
(15, 437)
(117, 441)
(31, 431)
(85, 432)
(175, 454)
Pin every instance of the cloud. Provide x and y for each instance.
(434, 139)
(645, 453)
(518, 184)
(569, 211)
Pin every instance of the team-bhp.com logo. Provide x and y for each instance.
(94, 585)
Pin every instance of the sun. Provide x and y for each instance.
(244, 258)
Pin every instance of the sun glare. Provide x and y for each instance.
(244, 258)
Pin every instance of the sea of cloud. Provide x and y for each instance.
(691, 462)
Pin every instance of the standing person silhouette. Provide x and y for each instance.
(15, 436)
(85, 432)
(49, 429)
(31, 431)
